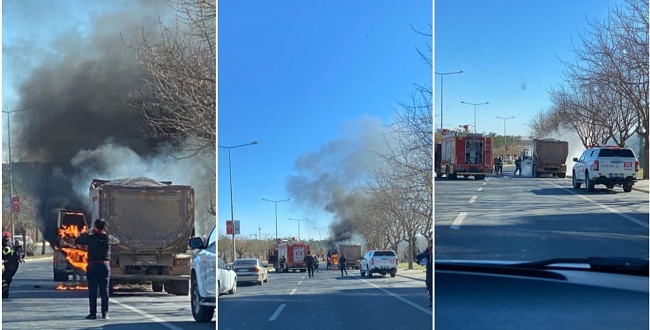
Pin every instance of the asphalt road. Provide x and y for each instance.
(34, 303)
(328, 301)
(519, 218)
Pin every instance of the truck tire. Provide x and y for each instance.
(60, 276)
(561, 175)
(200, 313)
(362, 273)
(369, 272)
(178, 288)
(574, 181)
(627, 187)
(157, 286)
(393, 273)
(588, 184)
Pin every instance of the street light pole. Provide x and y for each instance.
(441, 93)
(232, 208)
(276, 213)
(11, 167)
(305, 219)
(319, 229)
(505, 139)
(474, 104)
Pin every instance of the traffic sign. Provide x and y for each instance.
(228, 227)
(15, 204)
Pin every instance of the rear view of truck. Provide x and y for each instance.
(549, 157)
(352, 255)
(151, 222)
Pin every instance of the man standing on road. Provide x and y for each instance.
(342, 261)
(10, 260)
(518, 166)
(309, 260)
(329, 263)
(99, 269)
(427, 257)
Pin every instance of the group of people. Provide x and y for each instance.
(498, 165)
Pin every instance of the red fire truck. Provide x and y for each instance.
(463, 153)
(294, 253)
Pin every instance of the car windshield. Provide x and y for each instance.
(539, 91)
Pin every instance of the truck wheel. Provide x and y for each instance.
(393, 273)
(610, 186)
(200, 313)
(439, 174)
(574, 181)
(178, 288)
(369, 272)
(588, 184)
(60, 276)
(561, 175)
(362, 272)
(157, 286)
(627, 187)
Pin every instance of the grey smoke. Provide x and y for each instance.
(330, 178)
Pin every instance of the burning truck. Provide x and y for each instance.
(69, 259)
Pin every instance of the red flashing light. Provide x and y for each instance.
(636, 165)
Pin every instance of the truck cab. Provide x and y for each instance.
(69, 259)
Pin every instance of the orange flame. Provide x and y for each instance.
(76, 257)
(72, 287)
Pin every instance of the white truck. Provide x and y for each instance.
(379, 261)
(151, 223)
(608, 166)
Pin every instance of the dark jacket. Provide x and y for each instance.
(429, 257)
(98, 248)
(309, 260)
(11, 255)
(342, 261)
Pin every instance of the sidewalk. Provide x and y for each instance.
(419, 275)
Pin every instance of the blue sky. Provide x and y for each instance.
(301, 78)
(509, 53)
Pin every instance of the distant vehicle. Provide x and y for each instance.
(549, 156)
(379, 261)
(203, 269)
(250, 270)
(226, 278)
(28, 245)
(294, 253)
(608, 166)
(352, 255)
(463, 153)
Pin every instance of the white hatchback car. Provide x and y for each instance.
(202, 281)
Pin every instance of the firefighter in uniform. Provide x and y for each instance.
(10, 261)
(99, 269)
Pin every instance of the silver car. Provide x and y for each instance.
(251, 270)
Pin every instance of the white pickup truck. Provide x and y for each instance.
(608, 166)
(379, 261)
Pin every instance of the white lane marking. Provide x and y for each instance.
(149, 316)
(622, 215)
(459, 219)
(473, 199)
(484, 183)
(480, 189)
(400, 298)
(277, 312)
(299, 282)
(293, 291)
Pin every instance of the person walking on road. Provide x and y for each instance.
(329, 263)
(426, 257)
(342, 261)
(309, 260)
(518, 166)
(10, 260)
(99, 270)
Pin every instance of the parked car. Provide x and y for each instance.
(251, 270)
(202, 281)
(226, 278)
(28, 245)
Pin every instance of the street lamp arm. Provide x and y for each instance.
(241, 145)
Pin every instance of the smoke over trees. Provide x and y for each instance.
(605, 93)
